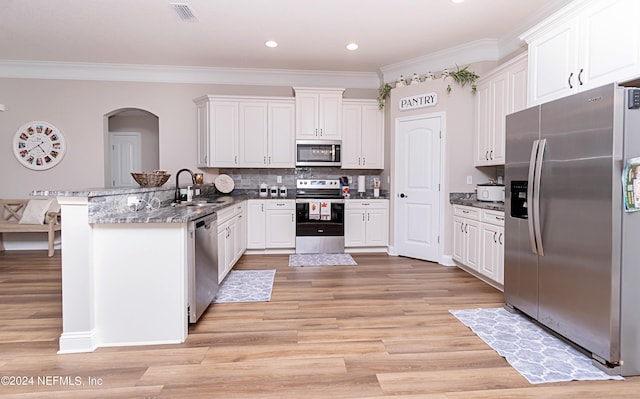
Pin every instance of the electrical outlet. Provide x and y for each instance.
(278, 179)
(133, 201)
(469, 179)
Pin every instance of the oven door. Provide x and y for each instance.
(319, 223)
(319, 233)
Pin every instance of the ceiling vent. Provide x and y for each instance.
(184, 11)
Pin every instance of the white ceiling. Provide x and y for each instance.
(312, 34)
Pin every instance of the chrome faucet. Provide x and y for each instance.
(193, 179)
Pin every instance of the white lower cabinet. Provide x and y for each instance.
(281, 224)
(366, 223)
(478, 240)
(231, 237)
(271, 224)
(466, 236)
(492, 245)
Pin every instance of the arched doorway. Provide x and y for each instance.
(131, 145)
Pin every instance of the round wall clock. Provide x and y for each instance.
(39, 145)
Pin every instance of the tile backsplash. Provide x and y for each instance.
(250, 179)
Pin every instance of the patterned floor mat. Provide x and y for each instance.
(321, 260)
(246, 286)
(536, 354)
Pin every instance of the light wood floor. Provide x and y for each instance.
(377, 330)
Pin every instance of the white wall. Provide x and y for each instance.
(78, 109)
(147, 125)
(459, 107)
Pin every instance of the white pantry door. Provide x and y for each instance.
(126, 157)
(417, 196)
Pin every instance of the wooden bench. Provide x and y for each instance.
(10, 213)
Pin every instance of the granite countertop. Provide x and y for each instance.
(182, 213)
(100, 191)
(368, 196)
(109, 205)
(469, 199)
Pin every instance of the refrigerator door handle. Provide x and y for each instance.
(536, 196)
(532, 168)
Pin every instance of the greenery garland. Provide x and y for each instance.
(462, 77)
(383, 94)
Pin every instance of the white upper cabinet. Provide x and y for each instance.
(362, 135)
(585, 45)
(223, 134)
(318, 113)
(281, 134)
(252, 139)
(499, 93)
(246, 132)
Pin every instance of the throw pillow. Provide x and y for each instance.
(35, 211)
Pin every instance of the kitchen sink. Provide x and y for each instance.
(205, 202)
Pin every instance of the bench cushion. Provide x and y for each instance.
(35, 211)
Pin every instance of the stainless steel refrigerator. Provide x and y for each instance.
(572, 252)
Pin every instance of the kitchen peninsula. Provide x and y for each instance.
(125, 275)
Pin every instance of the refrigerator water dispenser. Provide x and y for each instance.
(519, 199)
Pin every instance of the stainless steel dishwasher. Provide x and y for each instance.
(203, 264)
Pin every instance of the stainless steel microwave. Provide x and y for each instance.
(318, 153)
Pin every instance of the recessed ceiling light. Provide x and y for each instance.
(352, 46)
(271, 43)
(457, 1)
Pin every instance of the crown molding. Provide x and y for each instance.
(476, 51)
(177, 74)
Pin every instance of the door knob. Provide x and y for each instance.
(403, 195)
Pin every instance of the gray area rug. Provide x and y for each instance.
(246, 286)
(321, 260)
(536, 354)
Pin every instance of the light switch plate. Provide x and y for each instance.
(278, 179)
(469, 179)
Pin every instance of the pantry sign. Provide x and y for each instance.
(418, 101)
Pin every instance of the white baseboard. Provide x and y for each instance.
(78, 342)
(284, 251)
(447, 260)
(366, 250)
